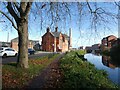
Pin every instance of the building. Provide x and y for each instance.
(96, 47)
(88, 49)
(5, 44)
(106, 42)
(14, 43)
(56, 41)
(80, 48)
(116, 42)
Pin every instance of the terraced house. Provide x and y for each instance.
(56, 41)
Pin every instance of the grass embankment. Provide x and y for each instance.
(13, 77)
(79, 73)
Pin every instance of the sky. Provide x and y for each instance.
(82, 34)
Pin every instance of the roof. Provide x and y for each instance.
(16, 40)
(56, 34)
(66, 36)
(111, 36)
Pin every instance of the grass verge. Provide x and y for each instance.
(79, 73)
(13, 77)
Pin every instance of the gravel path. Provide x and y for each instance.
(50, 77)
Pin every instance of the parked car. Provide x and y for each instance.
(31, 51)
(6, 51)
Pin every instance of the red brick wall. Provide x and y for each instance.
(107, 43)
(47, 42)
(111, 39)
(14, 45)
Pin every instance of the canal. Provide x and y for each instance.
(104, 63)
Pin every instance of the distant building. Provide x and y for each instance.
(80, 48)
(116, 42)
(56, 41)
(96, 47)
(106, 42)
(14, 43)
(5, 44)
(88, 49)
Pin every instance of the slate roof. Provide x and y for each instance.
(16, 40)
(56, 34)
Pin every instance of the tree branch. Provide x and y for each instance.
(18, 8)
(28, 7)
(10, 9)
(9, 19)
(89, 7)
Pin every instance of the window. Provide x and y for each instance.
(9, 50)
(1, 48)
(63, 39)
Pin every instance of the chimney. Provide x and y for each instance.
(56, 29)
(48, 29)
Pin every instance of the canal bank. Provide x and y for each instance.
(104, 63)
(79, 73)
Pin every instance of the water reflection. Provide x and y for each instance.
(107, 63)
(106, 60)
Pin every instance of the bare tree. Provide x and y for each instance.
(54, 13)
(20, 12)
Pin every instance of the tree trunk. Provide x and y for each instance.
(23, 43)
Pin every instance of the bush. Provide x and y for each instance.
(80, 74)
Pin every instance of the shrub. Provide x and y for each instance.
(80, 74)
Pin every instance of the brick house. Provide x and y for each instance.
(14, 43)
(116, 42)
(55, 41)
(106, 42)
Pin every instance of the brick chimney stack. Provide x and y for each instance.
(48, 29)
(56, 29)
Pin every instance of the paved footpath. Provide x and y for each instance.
(50, 77)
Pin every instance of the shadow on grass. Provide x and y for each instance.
(12, 64)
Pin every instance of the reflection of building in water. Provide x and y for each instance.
(106, 60)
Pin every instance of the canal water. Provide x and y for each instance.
(104, 63)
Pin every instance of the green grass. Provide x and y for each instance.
(13, 77)
(81, 74)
